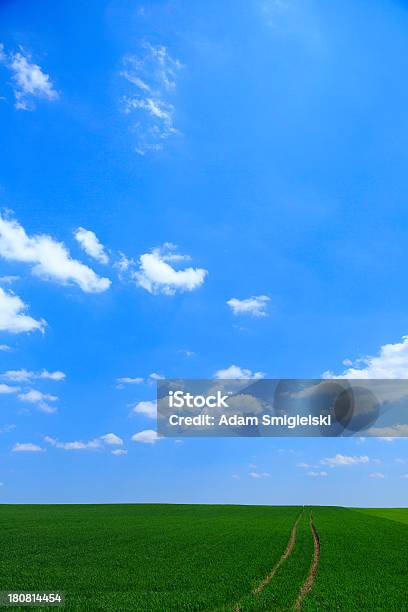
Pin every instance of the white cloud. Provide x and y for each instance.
(149, 409)
(156, 275)
(18, 375)
(259, 474)
(57, 375)
(255, 305)
(119, 452)
(155, 376)
(91, 245)
(314, 474)
(28, 79)
(7, 429)
(390, 433)
(109, 439)
(234, 372)
(152, 76)
(148, 436)
(27, 447)
(391, 362)
(12, 315)
(404, 476)
(128, 380)
(75, 445)
(112, 439)
(49, 259)
(10, 278)
(303, 465)
(26, 375)
(123, 265)
(5, 348)
(33, 396)
(343, 460)
(6, 389)
(376, 475)
(187, 353)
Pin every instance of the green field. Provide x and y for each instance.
(174, 557)
(393, 514)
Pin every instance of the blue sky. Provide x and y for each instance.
(185, 188)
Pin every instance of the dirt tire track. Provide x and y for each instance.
(308, 583)
(289, 547)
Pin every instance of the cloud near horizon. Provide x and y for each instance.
(344, 460)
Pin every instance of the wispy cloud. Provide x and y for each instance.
(344, 460)
(109, 439)
(259, 474)
(128, 380)
(255, 305)
(152, 75)
(74, 445)
(119, 452)
(156, 376)
(318, 474)
(28, 80)
(7, 429)
(137, 380)
(391, 432)
(27, 375)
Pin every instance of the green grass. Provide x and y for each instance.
(363, 563)
(394, 514)
(159, 558)
(282, 591)
(141, 557)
